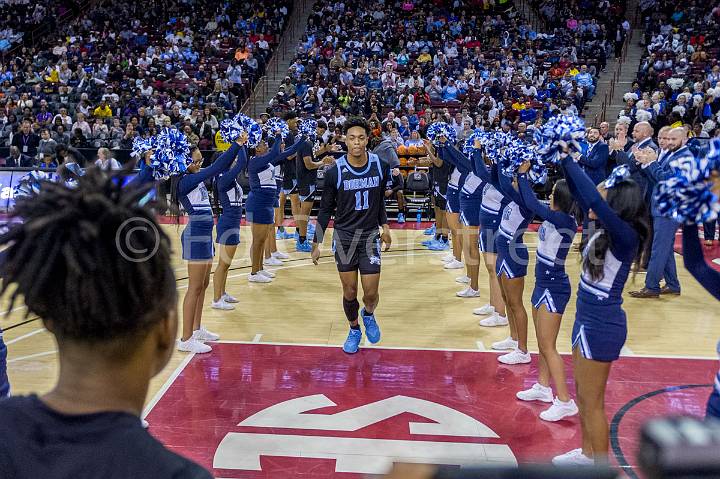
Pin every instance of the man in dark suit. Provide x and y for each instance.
(656, 167)
(595, 159)
(642, 135)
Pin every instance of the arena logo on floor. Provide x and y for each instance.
(242, 450)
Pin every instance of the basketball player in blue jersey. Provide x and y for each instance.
(354, 193)
(261, 201)
(440, 173)
(289, 185)
(694, 259)
(600, 325)
(189, 190)
(551, 293)
(306, 166)
(229, 195)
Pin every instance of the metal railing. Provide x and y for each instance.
(252, 104)
(281, 53)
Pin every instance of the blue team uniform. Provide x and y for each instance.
(230, 198)
(710, 279)
(470, 188)
(513, 258)
(491, 206)
(196, 238)
(263, 185)
(600, 327)
(555, 237)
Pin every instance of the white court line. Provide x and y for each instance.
(36, 355)
(460, 350)
(332, 261)
(625, 351)
(163, 389)
(20, 338)
(257, 338)
(480, 346)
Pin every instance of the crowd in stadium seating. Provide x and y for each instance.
(126, 69)
(678, 77)
(404, 68)
(20, 17)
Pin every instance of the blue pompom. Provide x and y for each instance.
(469, 144)
(141, 146)
(308, 128)
(699, 167)
(618, 174)
(230, 130)
(513, 154)
(172, 154)
(276, 125)
(252, 128)
(687, 201)
(567, 129)
(441, 129)
(29, 185)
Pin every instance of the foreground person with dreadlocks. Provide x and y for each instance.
(106, 290)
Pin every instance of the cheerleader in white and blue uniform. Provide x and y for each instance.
(511, 267)
(491, 207)
(274, 257)
(229, 194)
(189, 190)
(470, 198)
(600, 327)
(551, 293)
(452, 212)
(694, 259)
(261, 201)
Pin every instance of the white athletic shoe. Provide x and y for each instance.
(203, 334)
(573, 458)
(484, 310)
(267, 273)
(229, 298)
(259, 278)
(468, 293)
(505, 344)
(495, 320)
(272, 261)
(454, 264)
(144, 424)
(192, 345)
(515, 357)
(448, 257)
(280, 255)
(537, 392)
(559, 410)
(462, 279)
(222, 304)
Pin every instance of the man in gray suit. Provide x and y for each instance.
(656, 166)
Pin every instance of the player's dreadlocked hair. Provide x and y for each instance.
(89, 260)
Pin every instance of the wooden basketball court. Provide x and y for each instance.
(418, 310)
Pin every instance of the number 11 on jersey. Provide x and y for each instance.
(361, 200)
